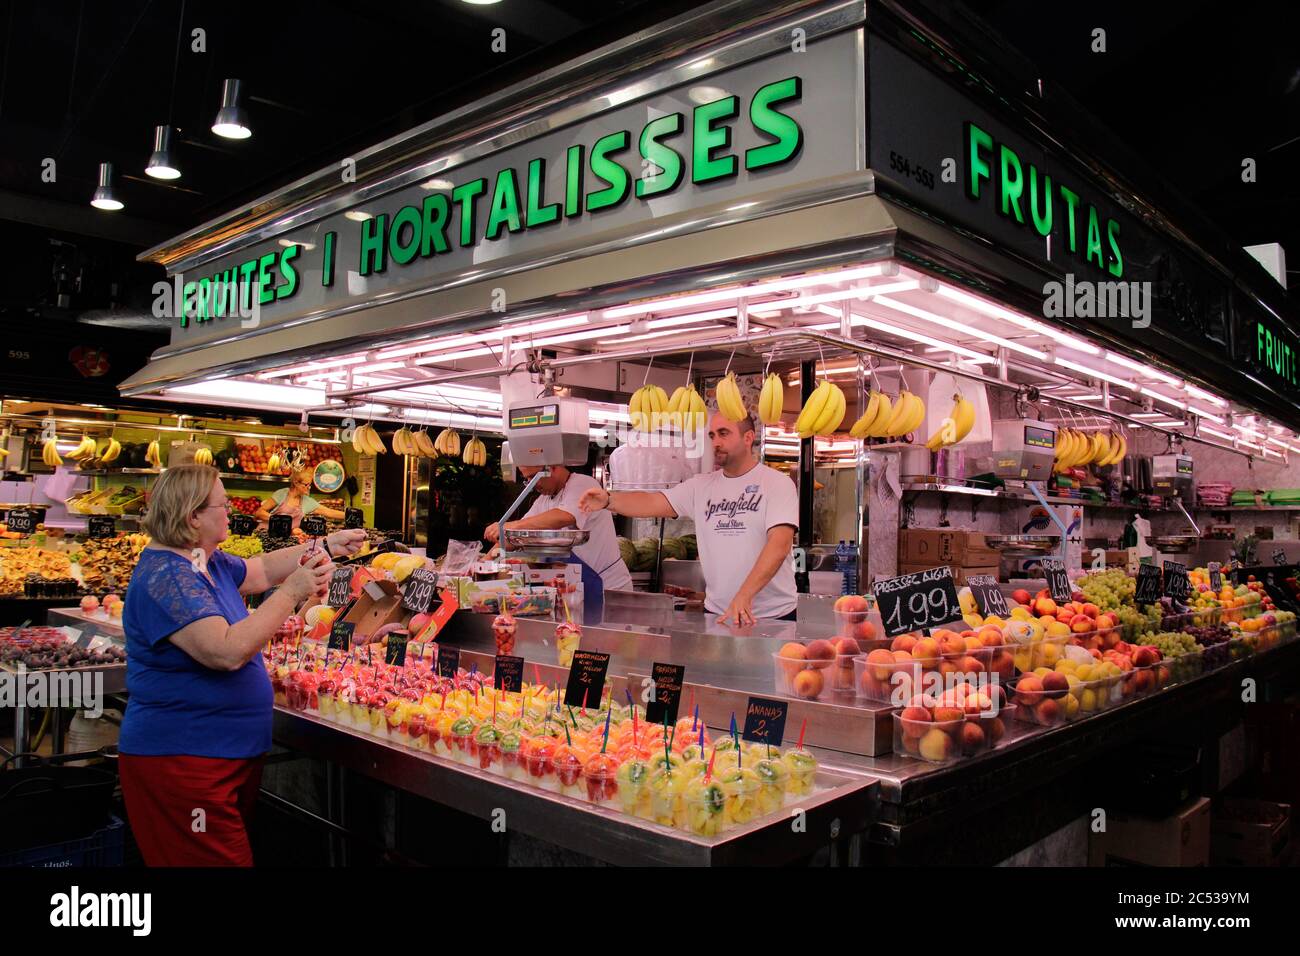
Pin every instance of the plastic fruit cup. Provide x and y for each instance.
(896, 681)
(741, 786)
(487, 747)
(937, 742)
(633, 779)
(600, 774)
(803, 679)
(771, 773)
(859, 625)
(800, 772)
(704, 807)
(512, 755)
(539, 761)
(417, 729)
(568, 770)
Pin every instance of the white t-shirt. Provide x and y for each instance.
(732, 518)
(600, 553)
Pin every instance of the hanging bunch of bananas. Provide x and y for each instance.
(50, 454)
(475, 452)
(203, 456)
(113, 448)
(955, 427)
(889, 419)
(425, 444)
(274, 463)
(648, 404)
(1074, 448)
(823, 411)
(447, 443)
(730, 404)
(85, 449)
(771, 401)
(405, 443)
(153, 454)
(686, 409)
(366, 441)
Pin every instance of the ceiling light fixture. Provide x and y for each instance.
(1141, 369)
(232, 121)
(999, 312)
(862, 292)
(1095, 373)
(432, 184)
(161, 164)
(1204, 414)
(926, 316)
(357, 215)
(1204, 396)
(104, 198)
(304, 246)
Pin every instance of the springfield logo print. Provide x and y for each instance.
(732, 510)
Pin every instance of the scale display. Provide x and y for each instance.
(535, 416)
(1040, 437)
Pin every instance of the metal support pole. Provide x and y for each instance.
(807, 383)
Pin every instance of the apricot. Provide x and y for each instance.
(977, 703)
(991, 637)
(913, 719)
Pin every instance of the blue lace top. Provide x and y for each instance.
(178, 706)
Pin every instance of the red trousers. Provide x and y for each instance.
(191, 811)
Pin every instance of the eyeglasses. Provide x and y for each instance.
(222, 504)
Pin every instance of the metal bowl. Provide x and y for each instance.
(1174, 543)
(1023, 545)
(551, 543)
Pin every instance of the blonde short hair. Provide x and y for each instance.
(178, 493)
(307, 470)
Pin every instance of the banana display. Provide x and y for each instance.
(823, 411)
(648, 404)
(154, 454)
(404, 443)
(730, 404)
(475, 452)
(425, 444)
(366, 441)
(686, 408)
(771, 402)
(1074, 448)
(85, 450)
(447, 443)
(203, 456)
(114, 448)
(962, 419)
(50, 454)
(889, 419)
(274, 464)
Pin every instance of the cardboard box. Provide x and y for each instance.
(1181, 839)
(379, 603)
(933, 547)
(1251, 833)
(959, 574)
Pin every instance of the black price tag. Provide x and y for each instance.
(509, 673)
(395, 648)
(84, 638)
(242, 524)
(586, 679)
(1177, 584)
(765, 721)
(1149, 588)
(280, 526)
(1216, 575)
(21, 521)
(101, 526)
(911, 602)
(1058, 582)
(340, 587)
(313, 526)
(448, 661)
(417, 596)
(988, 596)
(1279, 556)
(341, 635)
(668, 680)
(353, 518)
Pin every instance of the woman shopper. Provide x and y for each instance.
(198, 721)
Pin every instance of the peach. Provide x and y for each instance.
(952, 645)
(991, 636)
(948, 714)
(1162, 676)
(1003, 664)
(995, 729)
(846, 647)
(1145, 657)
(808, 684)
(851, 603)
(793, 651)
(1055, 685)
(1044, 606)
(971, 665)
(1066, 616)
(977, 703)
(904, 642)
(864, 631)
(1082, 624)
(913, 718)
(1143, 681)
(1029, 690)
(880, 664)
(1091, 610)
(1048, 713)
(820, 650)
(973, 738)
(935, 746)
(926, 651)
(996, 693)
(1020, 596)
(947, 668)
(920, 700)
(902, 657)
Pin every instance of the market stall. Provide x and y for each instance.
(869, 283)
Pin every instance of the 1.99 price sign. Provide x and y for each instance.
(911, 602)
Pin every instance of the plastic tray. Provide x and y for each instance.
(104, 847)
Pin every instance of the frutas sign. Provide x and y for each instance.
(1274, 354)
(656, 160)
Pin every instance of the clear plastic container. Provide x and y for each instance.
(937, 742)
(862, 626)
(800, 772)
(703, 807)
(511, 746)
(771, 773)
(803, 679)
(741, 786)
(881, 681)
(633, 780)
(539, 757)
(1044, 652)
(977, 660)
(600, 774)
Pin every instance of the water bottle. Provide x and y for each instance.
(844, 565)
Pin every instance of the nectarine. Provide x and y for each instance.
(904, 642)
(973, 738)
(936, 746)
(820, 650)
(808, 684)
(1055, 685)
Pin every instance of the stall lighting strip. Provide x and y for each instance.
(926, 316)
(522, 331)
(859, 293)
(313, 367)
(998, 312)
(1143, 370)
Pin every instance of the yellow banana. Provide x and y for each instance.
(771, 402)
(424, 444)
(813, 409)
(918, 415)
(901, 415)
(862, 427)
(881, 424)
(833, 414)
(203, 456)
(955, 427)
(112, 451)
(153, 454)
(376, 443)
(963, 415)
(730, 404)
(448, 443)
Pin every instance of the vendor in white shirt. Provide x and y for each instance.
(557, 507)
(745, 514)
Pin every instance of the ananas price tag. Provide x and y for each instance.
(910, 602)
(340, 587)
(765, 721)
(21, 521)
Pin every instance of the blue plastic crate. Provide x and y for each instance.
(104, 847)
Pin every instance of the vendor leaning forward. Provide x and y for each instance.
(745, 514)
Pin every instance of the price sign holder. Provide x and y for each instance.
(418, 592)
(1149, 587)
(668, 680)
(448, 661)
(101, 526)
(912, 602)
(242, 524)
(395, 648)
(340, 591)
(353, 518)
(1177, 585)
(341, 636)
(765, 721)
(508, 674)
(21, 521)
(586, 679)
(988, 596)
(1058, 582)
(280, 526)
(313, 526)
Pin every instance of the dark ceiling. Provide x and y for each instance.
(1189, 88)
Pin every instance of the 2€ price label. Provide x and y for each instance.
(910, 602)
(988, 596)
(341, 636)
(1058, 582)
(765, 721)
(509, 673)
(417, 596)
(667, 700)
(586, 679)
(448, 661)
